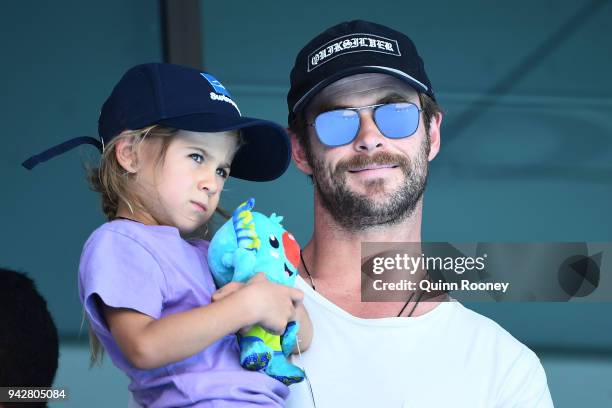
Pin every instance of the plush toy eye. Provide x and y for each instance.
(273, 241)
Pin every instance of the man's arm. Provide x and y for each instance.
(304, 336)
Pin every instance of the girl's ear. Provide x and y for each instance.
(126, 154)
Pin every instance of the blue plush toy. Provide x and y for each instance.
(247, 244)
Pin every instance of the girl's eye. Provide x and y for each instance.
(223, 173)
(198, 158)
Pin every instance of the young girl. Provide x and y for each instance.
(171, 136)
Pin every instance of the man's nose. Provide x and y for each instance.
(369, 137)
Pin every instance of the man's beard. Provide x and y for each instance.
(358, 212)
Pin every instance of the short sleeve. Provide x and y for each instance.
(123, 273)
(525, 384)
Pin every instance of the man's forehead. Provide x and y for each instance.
(354, 88)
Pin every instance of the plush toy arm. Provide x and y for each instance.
(244, 264)
(289, 338)
(228, 259)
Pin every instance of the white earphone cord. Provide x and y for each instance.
(297, 343)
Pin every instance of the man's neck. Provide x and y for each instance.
(333, 258)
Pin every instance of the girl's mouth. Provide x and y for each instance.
(199, 206)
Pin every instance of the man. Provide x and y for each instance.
(364, 125)
(29, 347)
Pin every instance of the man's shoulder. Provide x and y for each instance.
(521, 376)
(475, 322)
(482, 330)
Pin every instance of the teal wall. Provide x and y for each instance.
(526, 150)
(60, 61)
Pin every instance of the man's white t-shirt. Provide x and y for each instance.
(448, 357)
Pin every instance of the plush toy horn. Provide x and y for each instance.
(244, 226)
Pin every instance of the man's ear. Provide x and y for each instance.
(299, 154)
(434, 135)
(126, 154)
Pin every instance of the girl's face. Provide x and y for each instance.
(184, 189)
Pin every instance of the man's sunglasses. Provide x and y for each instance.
(341, 126)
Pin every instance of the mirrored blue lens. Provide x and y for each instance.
(338, 127)
(397, 120)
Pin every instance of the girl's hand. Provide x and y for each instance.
(227, 290)
(272, 305)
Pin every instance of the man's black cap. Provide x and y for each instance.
(350, 48)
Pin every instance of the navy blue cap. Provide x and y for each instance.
(349, 48)
(188, 99)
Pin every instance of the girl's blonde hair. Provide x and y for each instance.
(115, 185)
(112, 181)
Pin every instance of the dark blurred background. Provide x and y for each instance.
(526, 143)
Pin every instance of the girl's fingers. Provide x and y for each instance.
(226, 290)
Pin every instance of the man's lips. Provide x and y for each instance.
(372, 167)
(199, 206)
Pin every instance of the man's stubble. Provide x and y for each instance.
(359, 212)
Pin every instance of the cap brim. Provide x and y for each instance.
(303, 101)
(265, 152)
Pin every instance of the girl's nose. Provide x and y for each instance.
(208, 183)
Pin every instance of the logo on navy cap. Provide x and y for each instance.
(216, 84)
(346, 44)
(222, 92)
